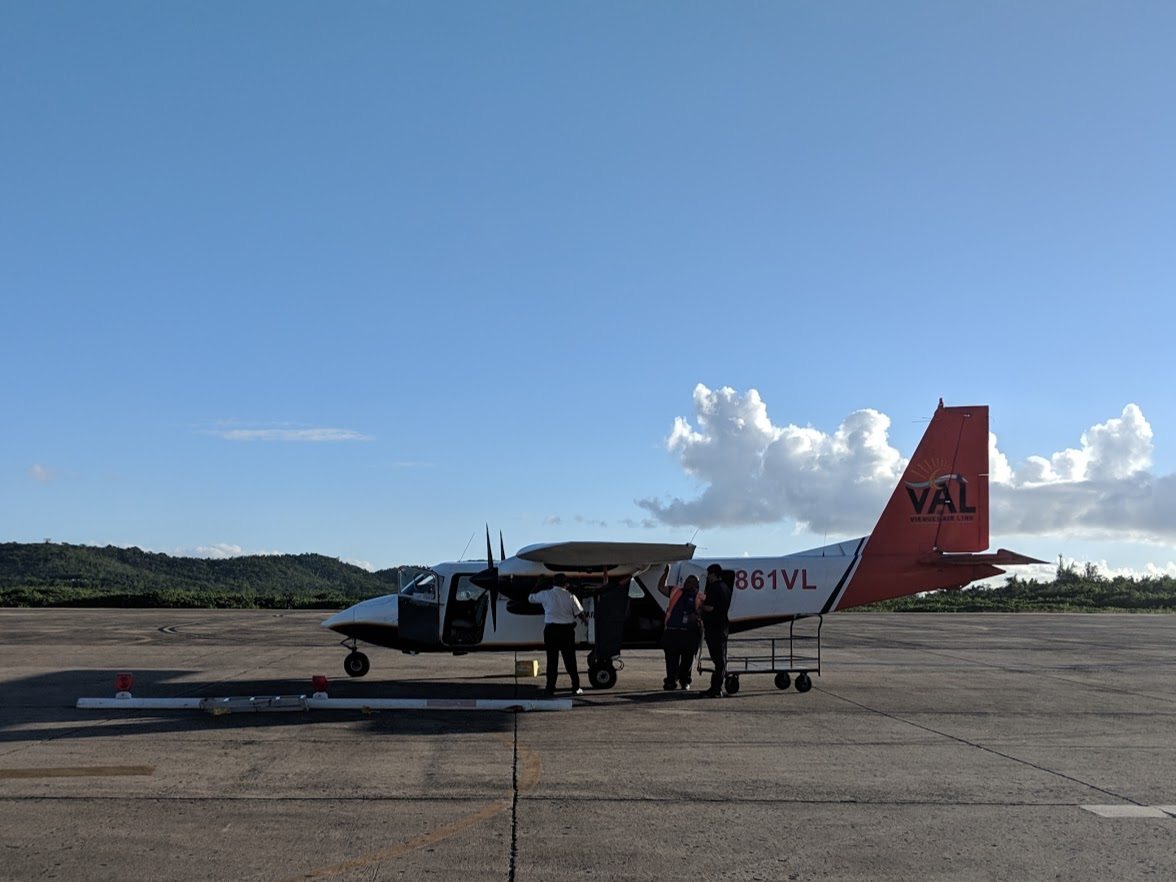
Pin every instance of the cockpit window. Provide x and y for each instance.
(423, 586)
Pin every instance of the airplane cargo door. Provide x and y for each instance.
(420, 610)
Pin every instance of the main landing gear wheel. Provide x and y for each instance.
(356, 664)
(732, 683)
(783, 681)
(602, 677)
(803, 683)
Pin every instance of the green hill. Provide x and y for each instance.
(52, 574)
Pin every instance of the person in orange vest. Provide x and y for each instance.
(681, 636)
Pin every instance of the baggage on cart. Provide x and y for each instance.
(792, 659)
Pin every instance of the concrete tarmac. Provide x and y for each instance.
(931, 747)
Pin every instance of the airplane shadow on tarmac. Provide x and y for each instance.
(42, 707)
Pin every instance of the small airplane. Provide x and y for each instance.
(931, 535)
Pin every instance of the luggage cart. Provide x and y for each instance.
(796, 656)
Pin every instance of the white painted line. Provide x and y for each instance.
(1127, 811)
(272, 703)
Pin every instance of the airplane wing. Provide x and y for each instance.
(599, 555)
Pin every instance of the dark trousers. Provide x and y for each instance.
(560, 640)
(716, 646)
(680, 645)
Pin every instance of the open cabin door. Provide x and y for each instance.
(466, 611)
(420, 610)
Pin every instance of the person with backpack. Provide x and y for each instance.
(681, 636)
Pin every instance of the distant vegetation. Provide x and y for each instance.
(52, 574)
(1071, 590)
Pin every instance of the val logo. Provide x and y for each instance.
(936, 495)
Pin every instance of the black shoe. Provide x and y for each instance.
(669, 685)
(549, 692)
(710, 693)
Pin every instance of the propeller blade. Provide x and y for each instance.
(501, 547)
(494, 583)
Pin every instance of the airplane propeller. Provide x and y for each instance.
(492, 572)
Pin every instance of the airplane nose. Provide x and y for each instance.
(340, 619)
(379, 611)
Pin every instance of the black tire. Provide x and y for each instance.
(732, 684)
(803, 683)
(356, 664)
(783, 681)
(602, 678)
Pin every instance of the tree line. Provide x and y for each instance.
(57, 574)
(1071, 590)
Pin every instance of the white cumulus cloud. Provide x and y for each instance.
(1102, 489)
(757, 472)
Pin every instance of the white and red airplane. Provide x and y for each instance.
(930, 535)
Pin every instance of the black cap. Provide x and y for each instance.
(716, 569)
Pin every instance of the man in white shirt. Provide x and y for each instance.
(561, 609)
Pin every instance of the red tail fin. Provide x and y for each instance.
(941, 503)
(936, 518)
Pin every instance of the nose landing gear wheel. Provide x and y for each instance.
(602, 677)
(783, 681)
(803, 683)
(356, 664)
(732, 684)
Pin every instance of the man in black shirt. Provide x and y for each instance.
(715, 626)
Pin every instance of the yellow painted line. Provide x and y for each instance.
(78, 772)
(528, 780)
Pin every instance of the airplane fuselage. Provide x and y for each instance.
(451, 613)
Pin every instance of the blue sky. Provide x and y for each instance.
(357, 279)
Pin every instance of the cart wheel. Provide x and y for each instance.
(732, 684)
(783, 681)
(602, 678)
(803, 683)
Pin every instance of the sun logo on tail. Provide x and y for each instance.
(934, 472)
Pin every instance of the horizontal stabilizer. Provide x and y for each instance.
(1001, 557)
(595, 555)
